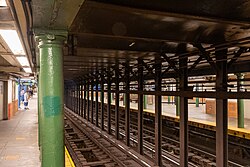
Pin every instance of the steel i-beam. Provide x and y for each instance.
(102, 103)
(84, 100)
(183, 108)
(117, 114)
(127, 105)
(109, 105)
(221, 110)
(88, 101)
(92, 101)
(140, 107)
(158, 112)
(96, 103)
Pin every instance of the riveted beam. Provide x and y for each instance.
(140, 107)
(109, 104)
(158, 112)
(127, 104)
(117, 113)
(102, 102)
(92, 101)
(221, 110)
(183, 108)
(206, 55)
(96, 102)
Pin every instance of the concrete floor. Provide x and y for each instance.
(19, 139)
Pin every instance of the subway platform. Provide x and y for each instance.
(196, 117)
(195, 114)
(19, 139)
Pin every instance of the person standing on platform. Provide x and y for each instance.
(26, 100)
(22, 96)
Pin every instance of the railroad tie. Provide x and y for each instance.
(204, 162)
(85, 149)
(212, 164)
(96, 163)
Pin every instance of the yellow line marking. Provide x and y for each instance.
(12, 157)
(69, 157)
(20, 138)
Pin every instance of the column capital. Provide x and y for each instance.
(50, 37)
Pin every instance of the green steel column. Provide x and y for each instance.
(112, 97)
(178, 106)
(145, 101)
(124, 99)
(197, 102)
(51, 93)
(240, 102)
(39, 114)
(197, 98)
(177, 98)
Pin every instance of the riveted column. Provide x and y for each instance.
(92, 101)
(140, 107)
(73, 97)
(88, 103)
(117, 113)
(240, 102)
(177, 98)
(102, 102)
(82, 99)
(85, 100)
(183, 107)
(158, 112)
(221, 110)
(96, 102)
(127, 104)
(51, 98)
(79, 99)
(109, 104)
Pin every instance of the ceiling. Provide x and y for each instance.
(104, 34)
(8, 62)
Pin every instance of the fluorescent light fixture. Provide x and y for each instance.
(27, 70)
(13, 41)
(3, 3)
(23, 61)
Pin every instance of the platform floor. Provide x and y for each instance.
(19, 140)
(196, 114)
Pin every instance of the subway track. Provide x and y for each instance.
(88, 147)
(198, 156)
(170, 148)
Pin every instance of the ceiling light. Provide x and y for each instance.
(132, 44)
(23, 61)
(3, 3)
(13, 41)
(27, 70)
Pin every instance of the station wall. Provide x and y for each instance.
(12, 98)
(247, 109)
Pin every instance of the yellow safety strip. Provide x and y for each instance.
(69, 157)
